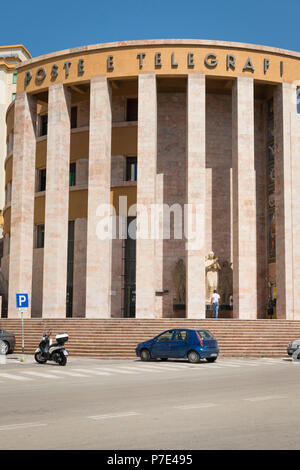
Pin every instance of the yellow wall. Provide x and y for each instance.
(8, 170)
(78, 204)
(6, 225)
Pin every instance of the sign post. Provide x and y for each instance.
(22, 304)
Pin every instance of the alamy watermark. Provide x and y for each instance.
(152, 222)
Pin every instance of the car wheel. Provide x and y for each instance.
(4, 347)
(145, 355)
(211, 359)
(164, 358)
(296, 355)
(193, 357)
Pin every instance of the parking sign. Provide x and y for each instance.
(22, 300)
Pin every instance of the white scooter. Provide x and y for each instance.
(48, 351)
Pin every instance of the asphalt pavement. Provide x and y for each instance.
(97, 404)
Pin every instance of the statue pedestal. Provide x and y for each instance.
(225, 311)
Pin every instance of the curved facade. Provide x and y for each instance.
(196, 142)
(9, 57)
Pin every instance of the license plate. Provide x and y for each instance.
(213, 355)
(66, 353)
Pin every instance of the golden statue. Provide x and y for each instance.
(212, 269)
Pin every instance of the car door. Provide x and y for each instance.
(160, 346)
(179, 344)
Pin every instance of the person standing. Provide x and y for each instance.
(215, 299)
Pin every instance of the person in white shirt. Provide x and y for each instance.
(215, 298)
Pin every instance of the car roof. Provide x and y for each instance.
(183, 329)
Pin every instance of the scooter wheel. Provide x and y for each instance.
(62, 360)
(40, 358)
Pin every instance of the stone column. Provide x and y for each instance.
(195, 186)
(159, 250)
(57, 203)
(79, 281)
(286, 197)
(295, 151)
(244, 200)
(146, 190)
(98, 272)
(22, 204)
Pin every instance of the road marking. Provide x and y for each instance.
(170, 367)
(165, 367)
(115, 370)
(227, 364)
(12, 427)
(152, 368)
(68, 373)
(139, 368)
(265, 398)
(14, 377)
(197, 405)
(92, 371)
(207, 366)
(244, 363)
(269, 360)
(115, 415)
(40, 374)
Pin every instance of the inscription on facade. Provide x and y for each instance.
(210, 61)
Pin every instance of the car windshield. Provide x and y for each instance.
(204, 334)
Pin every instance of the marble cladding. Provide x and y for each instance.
(98, 270)
(57, 202)
(217, 139)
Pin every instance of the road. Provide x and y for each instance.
(94, 404)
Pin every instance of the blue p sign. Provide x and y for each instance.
(22, 300)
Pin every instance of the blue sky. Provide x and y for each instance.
(45, 27)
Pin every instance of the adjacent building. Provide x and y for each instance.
(10, 56)
(198, 140)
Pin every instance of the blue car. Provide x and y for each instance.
(180, 344)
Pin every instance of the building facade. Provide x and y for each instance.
(204, 135)
(10, 56)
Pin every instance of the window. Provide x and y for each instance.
(40, 236)
(72, 174)
(41, 180)
(131, 168)
(298, 100)
(165, 336)
(74, 117)
(204, 334)
(43, 124)
(132, 109)
(13, 96)
(14, 78)
(181, 335)
(70, 269)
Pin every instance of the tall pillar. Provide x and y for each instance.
(286, 199)
(146, 190)
(79, 282)
(295, 147)
(57, 203)
(98, 271)
(244, 200)
(195, 174)
(22, 204)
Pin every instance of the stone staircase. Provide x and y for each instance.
(117, 338)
